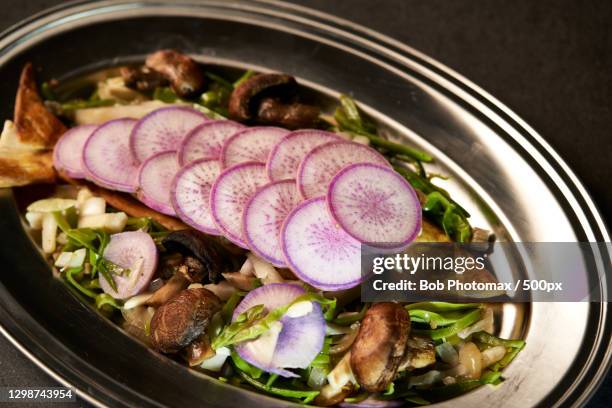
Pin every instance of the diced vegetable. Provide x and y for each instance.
(137, 300)
(229, 195)
(322, 163)
(375, 205)
(107, 160)
(49, 233)
(317, 250)
(206, 140)
(50, 205)
(264, 271)
(135, 252)
(35, 219)
(71, 259)
(263, 217)
(250, 144)
(69, 149)
(216, 362)
(102, 114)
(110, 222)
(190, 194)
(163, 130)
(285, 157)
(92, 206)
(471, 359)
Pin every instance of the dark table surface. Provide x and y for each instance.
(548, 60)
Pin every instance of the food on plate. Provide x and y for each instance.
(220, 220)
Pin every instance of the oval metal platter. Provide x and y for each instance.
(501, 170)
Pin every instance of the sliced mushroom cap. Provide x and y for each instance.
(183, 72)
(142, 78)
(269, 99)
(183, 319)
(380, 345)
(214, 257)
(292, 116)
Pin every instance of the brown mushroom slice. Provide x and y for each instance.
(198, 351)
(245, 98)
(183, 72)
(183, 319)
(380, 345)
(272, 111)
(142, 78)
(215, 258)
(188, 271)
(36, 126)
(420, 352)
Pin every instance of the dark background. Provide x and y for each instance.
(548, 60)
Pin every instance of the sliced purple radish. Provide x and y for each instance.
(286, 155)
(263, 218)
(190, 194)
(252, 144)
(206, 140)
(163, 130)
(300, 338)
(68, 151)
(136, 252)
(107, 160)
(375, 205)
(322, 163)
(230, 194)
(155, 179)
(317, 250)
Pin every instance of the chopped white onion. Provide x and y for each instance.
(35, 219)
(265, 271)
(50, 205)
(82, 196)
(63, 259)
(216, 362)
(111, 222)
(361, 140)
(49, 233)
(93, 206)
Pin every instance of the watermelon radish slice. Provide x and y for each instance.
(263, 217)
(229, 195)
(300, 339)
(252, 144)
(206, 140)
(375, 205)
(68, 151)
(163, 130)
(155, 179)
(107, 160)
(286, 155)
(322, 163)
(133, 250)
(190, 194)
(317, 250)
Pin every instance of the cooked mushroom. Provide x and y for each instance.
(380, 345)
(142, 78)
(270, 99)
(293, 116)
(214, 257)
(189, 270)
(198, 351)
(183, 319)
(420, 352)
(184, 74)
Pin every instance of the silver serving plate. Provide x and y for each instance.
(501, 170)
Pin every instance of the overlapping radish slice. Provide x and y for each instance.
(300, 338)
(263, 218)
(318, 250)
(286, 155)
(107, 160)
(229, 195)
(322, 163)
(155, 179)
(190, 194)
(68, 151)
(206, 140)
(252, 144)
(163, 130)
(375, 205)
(136, 252)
